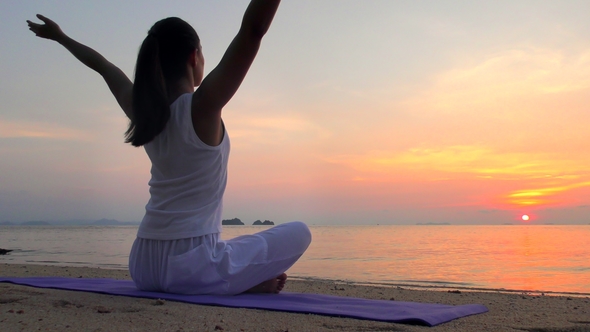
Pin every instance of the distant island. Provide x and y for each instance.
(237, 221)
(35, 223)
(234, 221)
(266, 223)
(113, 222)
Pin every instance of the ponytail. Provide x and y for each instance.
(151, 109)
(161, 60)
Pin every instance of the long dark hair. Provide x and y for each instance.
(161, 60)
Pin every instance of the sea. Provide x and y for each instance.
(551, 259)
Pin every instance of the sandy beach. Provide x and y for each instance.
(34, 309)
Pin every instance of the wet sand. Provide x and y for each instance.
(32, 309)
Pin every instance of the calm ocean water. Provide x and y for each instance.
(511, 257)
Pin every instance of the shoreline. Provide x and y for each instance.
(444, 287)
(426, 286)
(27, 308)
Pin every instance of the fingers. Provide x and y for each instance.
(43, 18)
(34, 27)
(31, 24)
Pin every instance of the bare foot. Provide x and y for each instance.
(272, 286)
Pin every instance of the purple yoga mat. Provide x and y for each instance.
(328, 305)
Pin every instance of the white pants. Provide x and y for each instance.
(208, 265)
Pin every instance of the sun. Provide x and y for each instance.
(525, 217)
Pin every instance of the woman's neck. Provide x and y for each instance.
(180, 87)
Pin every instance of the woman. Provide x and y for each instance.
(178, 247)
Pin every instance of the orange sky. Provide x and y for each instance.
(379, 112)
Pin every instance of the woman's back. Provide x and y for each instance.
(188, 180)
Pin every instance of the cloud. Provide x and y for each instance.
(28, 129)
(545, 195)
(474, 160)
(505, 81)
(262, 129)
(476, 173)
(522, 99)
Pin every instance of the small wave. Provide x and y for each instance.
(43, 261)
(436, 282)
(458, 286)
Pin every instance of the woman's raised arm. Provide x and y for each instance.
(222, 83)
(118, 83)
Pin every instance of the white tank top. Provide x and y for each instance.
(188, 180)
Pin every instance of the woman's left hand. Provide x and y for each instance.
(49, 30)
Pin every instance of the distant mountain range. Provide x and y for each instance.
(109, 222)
(101, 222)
(432, 223)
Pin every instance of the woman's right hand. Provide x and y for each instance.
(48, 30)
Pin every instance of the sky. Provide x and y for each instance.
(354, 112)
